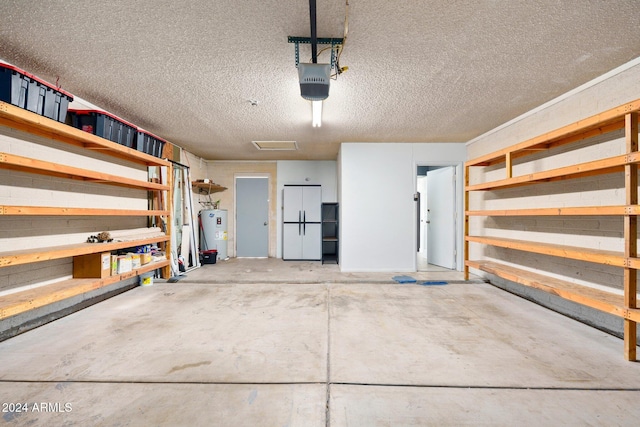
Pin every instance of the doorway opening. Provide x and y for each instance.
(437, 223)
(252, 216)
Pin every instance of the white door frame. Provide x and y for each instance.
(459, 243)
(235, 201)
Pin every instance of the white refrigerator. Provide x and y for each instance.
(302, 222)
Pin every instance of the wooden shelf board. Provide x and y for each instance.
(55, 211)
(594, 298)
(26, 121)
(567, 211)
(42, 167)
(206, 188)
(597, 167)
(606, 121)
(8, 259)
(20, 302)
(616, 259)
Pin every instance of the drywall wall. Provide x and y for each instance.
(305, 172)
(613, 89)
(377, 210)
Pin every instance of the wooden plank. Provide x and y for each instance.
(607, 302)
(568, 211)
(631, 236)
(20, 302)
(596, 167)
(582, 128)
(12, 258)
(547, 145)
(56, 211)
(42, 167)
(509, 165)
(616, 259)
(206, 188)
(35, 124)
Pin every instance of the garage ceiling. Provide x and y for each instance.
(419, 71)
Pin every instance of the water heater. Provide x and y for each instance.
(213, 234)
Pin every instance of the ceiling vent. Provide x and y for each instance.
(276, 145)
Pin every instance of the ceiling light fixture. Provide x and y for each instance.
(316, 114)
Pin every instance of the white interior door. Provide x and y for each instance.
(441, 220)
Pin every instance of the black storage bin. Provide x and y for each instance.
(27, 91)
(105, 125)
(149, 143)
(209, 257)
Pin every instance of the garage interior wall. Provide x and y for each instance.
(377, 210)
(600, 232)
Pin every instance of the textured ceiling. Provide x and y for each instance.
(419, 71)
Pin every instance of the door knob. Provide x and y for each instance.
(265, 223)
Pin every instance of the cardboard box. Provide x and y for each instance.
(92, 266)
(136, 262)
(124, 264)
(145, 258)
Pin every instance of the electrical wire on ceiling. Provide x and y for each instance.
(339, 48)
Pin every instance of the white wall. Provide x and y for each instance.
(290, 172)
(377, 210)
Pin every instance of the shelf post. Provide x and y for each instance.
(465, 247)
(631, 236)
(168, 205)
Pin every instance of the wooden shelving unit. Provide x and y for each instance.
(622, 117)
(26, 121)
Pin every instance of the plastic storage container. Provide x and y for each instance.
(27, 91)
(146, 279)
(149, 143)
(209, 256)
(105, 125)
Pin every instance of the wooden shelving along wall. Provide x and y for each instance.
(16, 119)
(623, 117)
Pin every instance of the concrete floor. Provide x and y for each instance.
(273, 343)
